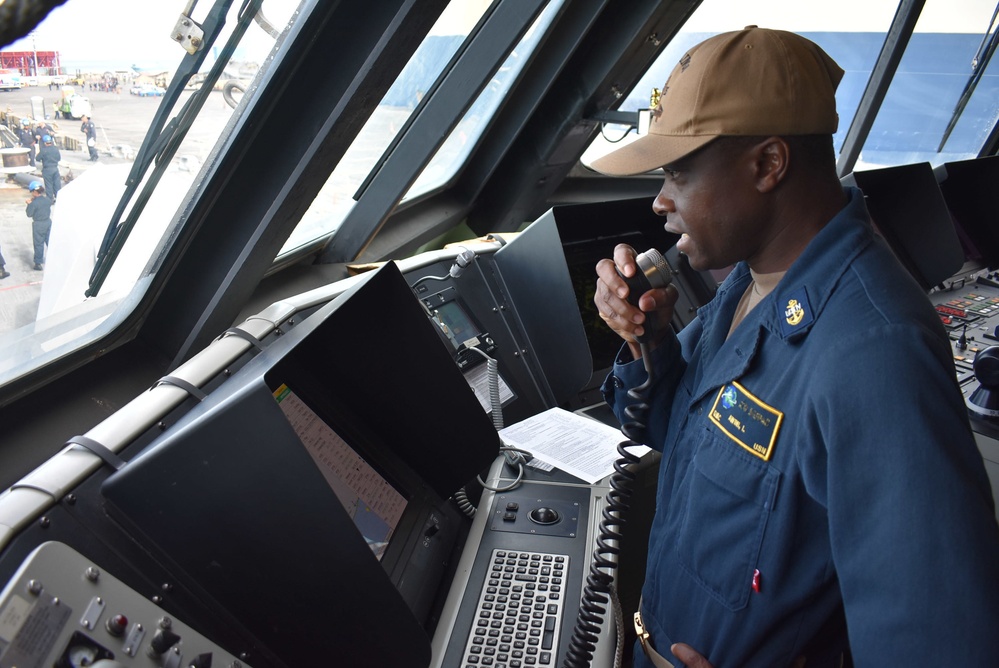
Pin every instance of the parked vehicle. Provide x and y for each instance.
(146, 90)
(71, 105)
(10, 80)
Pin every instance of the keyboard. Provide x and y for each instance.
(519, 613)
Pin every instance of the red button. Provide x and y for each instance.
(116, 625)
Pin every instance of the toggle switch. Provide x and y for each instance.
(162, 641)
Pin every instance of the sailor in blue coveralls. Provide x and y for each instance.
(821, 496)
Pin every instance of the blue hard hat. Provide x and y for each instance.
(35, 185)
(47, 138)
(25, 121)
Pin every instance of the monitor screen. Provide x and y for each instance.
(459, 326)
(374, 504)
(968, 186)
(908, 210)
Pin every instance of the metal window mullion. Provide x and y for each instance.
(896, 41)
(459, 88)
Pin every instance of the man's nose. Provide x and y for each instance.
(663, 204)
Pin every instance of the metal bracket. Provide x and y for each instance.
(188, 34)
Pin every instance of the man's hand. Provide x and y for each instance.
(611, 300)
(689, 656)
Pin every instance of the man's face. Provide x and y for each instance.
(709, 197)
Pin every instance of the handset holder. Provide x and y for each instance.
(654, 273)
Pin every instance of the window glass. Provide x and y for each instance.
(335, 200)
(852, 32)
(941, 104)
(460, 141)
(67, 69)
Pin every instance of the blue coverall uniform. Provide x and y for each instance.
(40, 212)
(49, 156)
(818, 473)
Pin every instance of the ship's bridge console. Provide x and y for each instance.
(325, 484)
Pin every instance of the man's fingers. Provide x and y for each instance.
(624, 258)
(690, 657)
(660, 298)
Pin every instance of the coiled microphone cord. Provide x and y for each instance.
(514, 456)
(597, 592)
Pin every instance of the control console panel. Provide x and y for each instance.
(61, 610)
(969, 308)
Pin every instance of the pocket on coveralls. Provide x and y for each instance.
(729, 498)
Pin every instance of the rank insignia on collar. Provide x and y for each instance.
(796, 313)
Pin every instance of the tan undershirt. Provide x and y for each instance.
(761, 286)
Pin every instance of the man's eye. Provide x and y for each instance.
(672, 173)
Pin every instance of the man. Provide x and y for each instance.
(39, 210)
(820, 493)
(27, 137)
(49, 156)
(42, 128)
(87, 128)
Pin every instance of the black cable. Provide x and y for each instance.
(607, 139)
(599, 582)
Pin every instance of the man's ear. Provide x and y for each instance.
(773, 157)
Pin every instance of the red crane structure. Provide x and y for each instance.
(31, 63)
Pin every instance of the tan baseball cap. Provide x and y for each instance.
(750, 82)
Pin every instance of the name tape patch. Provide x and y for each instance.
(746, 420)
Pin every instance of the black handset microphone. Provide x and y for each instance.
(653, 273)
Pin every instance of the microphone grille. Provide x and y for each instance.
(656, 269)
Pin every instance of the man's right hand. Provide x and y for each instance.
(611, 300)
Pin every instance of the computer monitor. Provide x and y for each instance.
(308, 492)
(590, 232)
(909, 211)
(969, 189)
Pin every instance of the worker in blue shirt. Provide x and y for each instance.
(39, 210)
(49, 156)
(27, 138)
(87, 127)
(821, 498)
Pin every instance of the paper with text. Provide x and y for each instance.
(578, 445)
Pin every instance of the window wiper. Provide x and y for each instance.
(164, 138)
(986, 50)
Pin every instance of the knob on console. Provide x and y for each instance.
(984, 401)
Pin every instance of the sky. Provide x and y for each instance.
(96, 35)
(966, 16)
(116, 34)
(106, 31)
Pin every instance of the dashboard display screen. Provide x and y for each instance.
(459, 325)
(370, 500)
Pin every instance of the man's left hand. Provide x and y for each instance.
(689, 656)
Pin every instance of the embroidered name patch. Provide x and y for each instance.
(746, 420)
